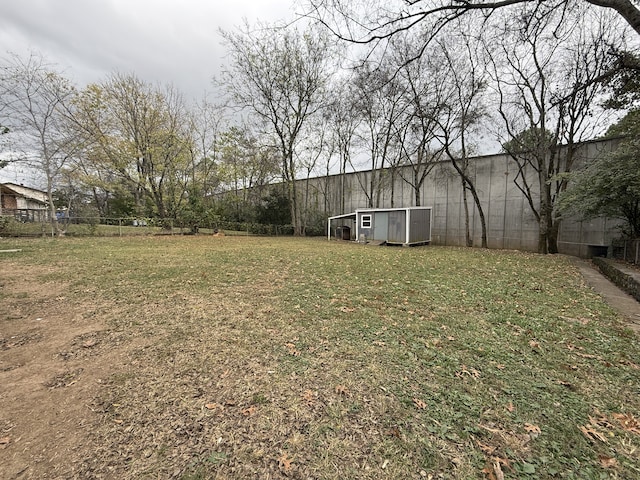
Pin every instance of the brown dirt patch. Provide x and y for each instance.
(53, 359)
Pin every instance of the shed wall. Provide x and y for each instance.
(420, 226)
(381, 226)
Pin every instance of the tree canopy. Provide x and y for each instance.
(609, 186)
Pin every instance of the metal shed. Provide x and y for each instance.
(396, 226)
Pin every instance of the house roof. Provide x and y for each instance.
(26, 192)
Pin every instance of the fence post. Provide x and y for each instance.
(119, 227)
(624, 252)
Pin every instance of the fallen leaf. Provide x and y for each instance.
(488, 471)
(4, 441)
(394, 432)
(600, 421)
(291, 347)
(535, 345)
(213, 406)
(284, 462)
(500, 366)
(347, 309)
(489, 429)
(607, 462)
(532, 428)
(580, 320)
(471, 372)
(341, 390)
(249, 411)
(628, 422)
(592, 434)
(510, 407)
(488, 449)
(419, 404)
(309, 397)
(90, 343)
(497, 470)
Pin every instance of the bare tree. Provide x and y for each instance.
(313, 149)
(544, 114)
(343, 123)
(425, 96)
(36, 100)
(374, 23)
(245, 165)
(460, 117)
(279, 75)
(207, 121)
(371, 22)
(379, 104)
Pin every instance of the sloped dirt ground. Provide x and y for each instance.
(54, 357)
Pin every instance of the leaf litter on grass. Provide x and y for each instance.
(260, 352)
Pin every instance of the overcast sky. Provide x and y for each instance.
(161, 41)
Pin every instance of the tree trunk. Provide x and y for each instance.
(546, 213)
(545, 232)
(393, 188)
(295, 210)
(476, 199)
(552, 239)
(465, 202)
(416, 188)
(55, 225)
(343, 173)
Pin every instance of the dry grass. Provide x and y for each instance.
(284, 358)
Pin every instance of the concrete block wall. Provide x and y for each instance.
(511, 224)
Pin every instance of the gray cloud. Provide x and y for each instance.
(160, 41)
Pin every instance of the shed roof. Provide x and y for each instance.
(346, 215)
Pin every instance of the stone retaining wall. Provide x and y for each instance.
(629, 282)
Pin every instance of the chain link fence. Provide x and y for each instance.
(23, 223)
(628, 250)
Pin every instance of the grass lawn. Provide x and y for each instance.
(250, 357)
